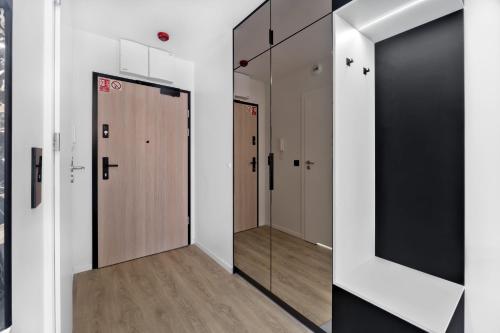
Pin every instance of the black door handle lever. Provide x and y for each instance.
(106, 166)
(254, 164)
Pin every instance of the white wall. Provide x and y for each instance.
(354, 142)
(214, 145)
(482, 166)
(32, 229)
(63, 189)
(99, 54)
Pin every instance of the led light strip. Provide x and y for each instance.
(392, 13)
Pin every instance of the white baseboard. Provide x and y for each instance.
(82, 268)
(288, 231)
(221, 262)
(228, 267)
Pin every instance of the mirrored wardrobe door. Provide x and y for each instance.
(252, 244)
(290, 16)
(301, 143)
(251, 37)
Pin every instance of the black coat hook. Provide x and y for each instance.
(366, 70)
(349, 61)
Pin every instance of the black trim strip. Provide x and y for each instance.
(95, 212)
(171, 91)
(296, 314)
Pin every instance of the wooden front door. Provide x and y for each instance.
(142, 170)
(245, 166)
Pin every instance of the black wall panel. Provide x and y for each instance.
(354, 315)
(457, 323)
(420, 148)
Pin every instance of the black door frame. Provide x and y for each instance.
(95, 161)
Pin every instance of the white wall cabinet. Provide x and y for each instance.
(134, 58)
(241, 86)
(163, 65)
(138, 59)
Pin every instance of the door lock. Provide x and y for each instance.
(105, 131)
(106, 166)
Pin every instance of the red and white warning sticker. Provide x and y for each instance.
(104, 84)
(252, 110)
(116, 85)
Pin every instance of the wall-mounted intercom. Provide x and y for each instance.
(36, 177)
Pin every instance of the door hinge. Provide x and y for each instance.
(271, 37)
(56, 141)
(57, 2)
(189, 132)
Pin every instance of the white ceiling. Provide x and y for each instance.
(192, 24)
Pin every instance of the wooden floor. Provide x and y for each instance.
(178, 291)
(300, 273)
(252, 254)
(302, 276)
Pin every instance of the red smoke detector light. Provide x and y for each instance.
(163, 36)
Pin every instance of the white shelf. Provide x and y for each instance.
(423, 300)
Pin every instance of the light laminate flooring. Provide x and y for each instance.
(298, 272)
(178, 291)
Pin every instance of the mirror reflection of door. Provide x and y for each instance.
(252, 235)
(317, 171)
(245, 166)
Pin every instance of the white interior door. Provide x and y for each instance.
(317, 120)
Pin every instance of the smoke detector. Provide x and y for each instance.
(163, 36)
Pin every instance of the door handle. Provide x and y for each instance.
(270, 162)
(254, 164)
(309, 162)
(106, 166)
